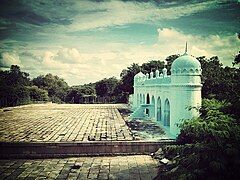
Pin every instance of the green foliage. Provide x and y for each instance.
(236, 59)
(37, 94)
(106, 87)
(76, 92)
(14, 77)
(152, 66)
(13, 89)
(55, 86)
(127, 75)
(221, 83)
(208, 146)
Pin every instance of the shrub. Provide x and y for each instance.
(208, 146)
(37, 94)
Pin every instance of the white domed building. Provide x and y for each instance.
(167, 98)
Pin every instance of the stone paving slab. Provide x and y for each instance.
(118, 167)
(63, 123)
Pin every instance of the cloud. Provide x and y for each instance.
(117, 13)
(85, 41)
(109, 59)
(171, 40)
(9, 58)
(50, 63)
(61, 59)
(31, 55)
(69, 55)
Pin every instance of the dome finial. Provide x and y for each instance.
(186, 48)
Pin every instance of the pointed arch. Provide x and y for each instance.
(166, 113)
(138, 100)
(153, 107)
(159, 109)
(148, 99)
(153, 100)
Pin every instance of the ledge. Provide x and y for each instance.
(66, 149)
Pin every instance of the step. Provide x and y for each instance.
(67, 149)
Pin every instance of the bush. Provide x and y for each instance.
(37, 94)
(208, 146)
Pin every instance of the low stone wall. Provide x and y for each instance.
(97, 148)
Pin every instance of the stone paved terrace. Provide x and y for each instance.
(63, 123)
(118, 167)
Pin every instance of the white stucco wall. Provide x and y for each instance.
(182, 90)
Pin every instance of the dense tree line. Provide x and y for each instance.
(16, 88)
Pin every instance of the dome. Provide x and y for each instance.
(186, 64)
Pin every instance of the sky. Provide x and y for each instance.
(83, 41)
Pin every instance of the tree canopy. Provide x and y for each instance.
(106, 86)
(55, 86)
(13, 89)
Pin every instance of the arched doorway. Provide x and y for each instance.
(148, 99)
(159, 109)
(166, 113)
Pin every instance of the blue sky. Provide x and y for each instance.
(85, 41)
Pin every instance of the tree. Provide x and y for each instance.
(106, 87)
(152, 66)
(76, 92)
(170, 60)
(236, 59)
(221, 83)
(37, 94)
(15, 77)
(56, 87)
(127, 76)
(13, 89)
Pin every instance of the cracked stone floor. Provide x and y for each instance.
(63, 123)
(67, 123)
(139, 167)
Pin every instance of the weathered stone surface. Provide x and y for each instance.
(118, 167)
(63, 123)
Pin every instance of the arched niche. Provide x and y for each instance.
(148, 99)
(138, 100)
(166, 113)
(141, 100)
(159, 109)
(153, 107)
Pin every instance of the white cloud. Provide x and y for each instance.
(116, 13)
(69, 55)
(49, 62)
(110, 59)
(10, 58)
(172, 41)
